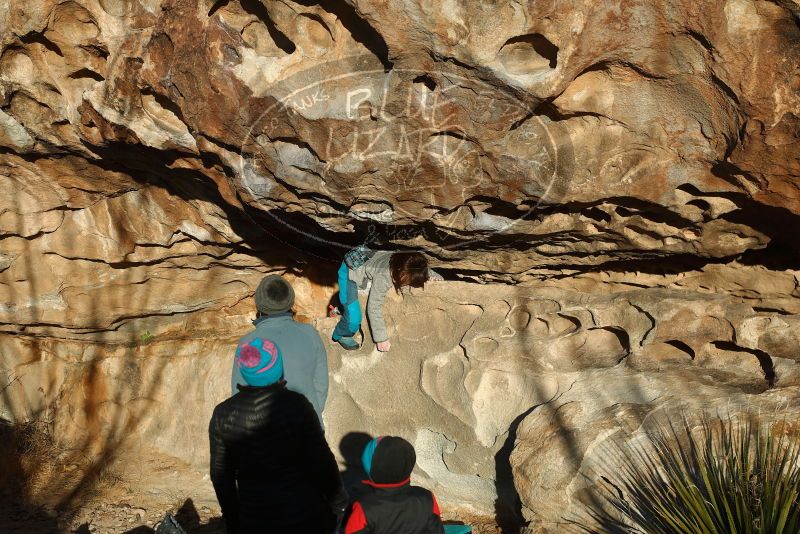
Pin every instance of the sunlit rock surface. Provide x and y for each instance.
(631, 168)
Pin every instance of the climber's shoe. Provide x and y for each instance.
(348, 343)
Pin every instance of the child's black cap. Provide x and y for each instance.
(393, 461)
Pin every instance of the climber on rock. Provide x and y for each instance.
(383, 270)
(271, 468)
(390, 504)
(305, 359)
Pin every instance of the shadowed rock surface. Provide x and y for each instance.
(610, 190)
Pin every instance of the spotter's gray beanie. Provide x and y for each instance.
(274, 295)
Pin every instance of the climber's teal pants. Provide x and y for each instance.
(350, 321)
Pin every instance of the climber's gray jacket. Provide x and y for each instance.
(375, 270)
(305, 362)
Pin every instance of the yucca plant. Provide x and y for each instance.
(726, 478)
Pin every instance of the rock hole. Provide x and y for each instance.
(39, 38)
(620, 69)
(540, 327)
(165, 103)
(450, 133)
(98, 50)
(449, 275)
(700, 203)
(259, 10)
(256, 35)
(622, 211)
(764, 359)
(360, 30)
(302, 145)
(732, 174)
(644, 231)
(312, 35)
(493, 206)
(764, 309)
(622, 336)
(519, 318)
(255, 7)
(691, 189)
(87, 73)
(27, 110)
(161, 45)
(72, 23)
(219, 4)
(778, 223)
(725, 88)
(318, 31)
(597, 214)
(370, 210)
(163, 110)
(601, 66)
(574, 320)
(680, 345)
(526, 54)
(425, 81)
(231, 54)
(629, 207)
(700, 38)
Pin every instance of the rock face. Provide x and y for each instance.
(506, 392)
(622, 176)
(508, 138)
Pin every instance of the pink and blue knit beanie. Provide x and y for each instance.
(260, 362)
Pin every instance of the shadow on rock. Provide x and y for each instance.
(16, 517)
(508, 506)
(351, 446)
(189, 520)
(21, 449)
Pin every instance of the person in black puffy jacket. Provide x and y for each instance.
(268, 441)
(392, 505)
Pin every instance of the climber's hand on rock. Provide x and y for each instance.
(384, 346)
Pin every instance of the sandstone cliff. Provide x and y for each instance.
(609, 188)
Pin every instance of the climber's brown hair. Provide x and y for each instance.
(408, 269)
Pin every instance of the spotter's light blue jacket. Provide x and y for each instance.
(305, 362)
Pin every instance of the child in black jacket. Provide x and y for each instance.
(391, 504)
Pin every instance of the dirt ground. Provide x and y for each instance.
(126, 518)
(131, 497)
